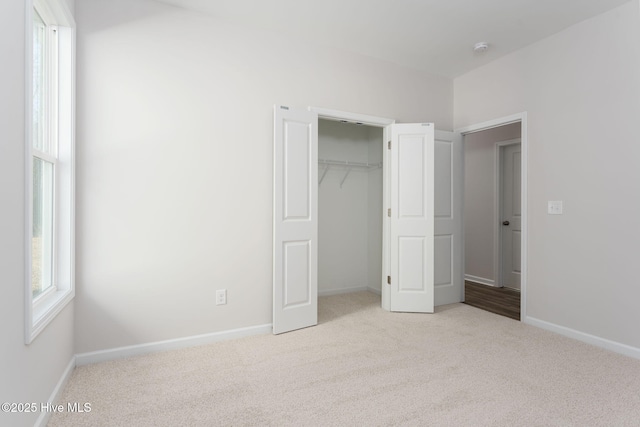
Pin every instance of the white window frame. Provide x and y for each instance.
(41, 310)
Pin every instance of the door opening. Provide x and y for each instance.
(408, 210)
(350, 206)
(495, 232)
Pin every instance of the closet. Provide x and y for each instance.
(350, 211)
(333, 218)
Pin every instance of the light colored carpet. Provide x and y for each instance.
(363, 366)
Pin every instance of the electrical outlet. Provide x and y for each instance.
(221, 297)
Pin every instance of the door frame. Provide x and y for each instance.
(498, 248)
(490, 124)
(381, 122)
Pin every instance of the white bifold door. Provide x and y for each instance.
(411, 225)
(295, 219)
(408, 264)
(447, 244)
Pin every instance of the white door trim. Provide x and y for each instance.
(490, 124)
(363, 119)
(522, 118)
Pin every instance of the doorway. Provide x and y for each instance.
(350, 207)
(495, 228)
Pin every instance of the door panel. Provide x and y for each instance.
(411, 164)
(297, 170)
(448, 218)
(411, 274)
(511, 215)
(411, 223)
(296, 274)
(443, 178)
(295, 219)
(443, 260)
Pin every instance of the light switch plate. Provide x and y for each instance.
(554, 207)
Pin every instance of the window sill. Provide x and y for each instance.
(46, 309)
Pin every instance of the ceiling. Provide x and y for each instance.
(436, 36)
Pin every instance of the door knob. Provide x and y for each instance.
(505, 222)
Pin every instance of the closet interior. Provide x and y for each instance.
(350, 207)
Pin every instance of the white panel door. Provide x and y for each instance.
(449, 277)
(295, 219)
(511, 228)
(412, 222)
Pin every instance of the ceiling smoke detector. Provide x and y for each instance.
(480, 47)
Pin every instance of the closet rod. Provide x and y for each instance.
(349, 164)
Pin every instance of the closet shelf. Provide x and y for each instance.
(345, 164)
(349, 164)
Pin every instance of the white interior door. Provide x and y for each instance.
(412, 221)
(511, 215)
(295, 219)
(449, 275)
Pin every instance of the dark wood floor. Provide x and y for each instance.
(502, 301)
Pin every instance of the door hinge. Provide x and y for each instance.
(389, 212)
(389, 145)
(388, 280)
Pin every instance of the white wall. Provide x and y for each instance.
(343, 213)
(581, 89)
(480, 170)
(29, 372)
(175, 161)
(72, 6)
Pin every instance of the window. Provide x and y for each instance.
(44, 159)
(49, 162)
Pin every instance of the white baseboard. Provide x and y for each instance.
(614, 346)
(153, 347)
(338, 291)
(374, 290)
(43, 419)
(480, 280)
